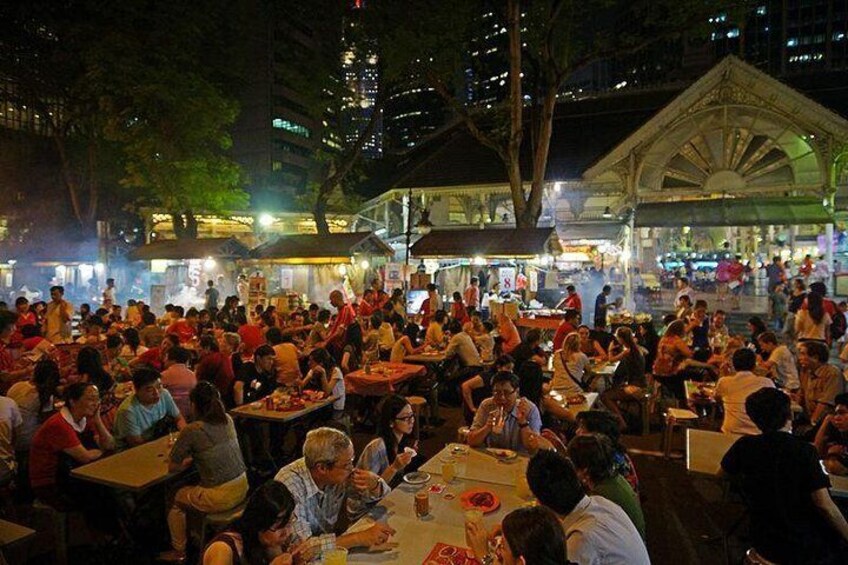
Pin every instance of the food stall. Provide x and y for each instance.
(515, 261)
(180, 268)
(310, 266)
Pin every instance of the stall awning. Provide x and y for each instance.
(314, 249)
(590, 231)
(178, 249)
(733, 212)
(493, 243)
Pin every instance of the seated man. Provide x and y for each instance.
(506, 420)
(479, 387)
(320, 482)
(147, 413)
(258, 379)
(793, 519)
(832, 438)
(462, 346)
(780, 361)
(596, 530)
(822, 381)
(734, 390)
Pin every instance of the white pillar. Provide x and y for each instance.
(828, 256)
(629, 255)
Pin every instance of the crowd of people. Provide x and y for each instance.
(135, 376)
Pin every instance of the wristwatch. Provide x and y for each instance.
(488, 559)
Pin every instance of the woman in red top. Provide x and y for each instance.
(25, 318)
(672, 351)
(458, 311)
(73, 436)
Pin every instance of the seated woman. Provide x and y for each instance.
(479, 387)
(832, 438)
(386, 455)
(210, 444)
(531, 536)
(406, 344)
(261, 534)
(483, 339)
(589, 346)
(672, 351)
(75, 435)
(571, 374)
(90, 369)
(132, 344)
(326, 375)
(593, 459)
(628, 381)
(604, 423)
(435, 334)
(352, 354)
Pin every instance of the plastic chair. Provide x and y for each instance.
(674, 418)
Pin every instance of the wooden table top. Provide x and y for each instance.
(383, 379)
(134, 469)
(574, 409)
(12, 533)
(478, 465)
(257, 411)
(425, 358)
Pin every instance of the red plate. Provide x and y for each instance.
(482, 499)
(444, 554)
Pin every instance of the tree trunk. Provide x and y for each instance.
(531, 214)
(185, 224)
(516, 108)
(319, 212)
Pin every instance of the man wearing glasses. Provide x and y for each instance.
(506, 420)
(319, 482)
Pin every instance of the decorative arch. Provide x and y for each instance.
(732, 149)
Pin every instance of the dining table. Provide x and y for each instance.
(425, 358)
(589, 400)
(135, 469)
(415, 537)
(478, 464)
(381, 378)
(259, 410)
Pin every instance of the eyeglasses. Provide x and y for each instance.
(347, 466)
(502, 393)
(409, 418)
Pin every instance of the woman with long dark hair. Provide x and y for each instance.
(326, 375)
(211, 445)
(386, 455)
(532, 536)
(132, 344)
(352, 352)
(672, 352)
(628, 381)
(260, 534)
(813, 323)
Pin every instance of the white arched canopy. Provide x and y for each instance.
(731, 150)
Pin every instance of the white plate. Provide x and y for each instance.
(416, 478)
(502, 454)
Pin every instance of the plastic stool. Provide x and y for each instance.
(60, 529)
(417, 403)
(675, 417)
(218, 521)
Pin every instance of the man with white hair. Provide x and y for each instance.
(319, 482)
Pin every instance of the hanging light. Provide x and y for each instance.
(607, 212)
(424, 225)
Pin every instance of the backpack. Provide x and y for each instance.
(838, 325)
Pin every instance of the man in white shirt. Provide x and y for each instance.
(733, 391)
(57, 320)
(462, 345)
(596, 530)
(781, 360)
(109, 297)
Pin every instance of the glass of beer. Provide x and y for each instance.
(422, 503)
(449, 469)
(336, 556)
(473, 516)
(522, 488)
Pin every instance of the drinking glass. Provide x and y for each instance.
(449, 469)
(473, 516)
(422, 503)
(336, 556)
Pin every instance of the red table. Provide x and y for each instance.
(384, 378)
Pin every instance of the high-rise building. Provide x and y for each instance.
(275, 137)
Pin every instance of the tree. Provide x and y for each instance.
(141, 85)
(548, 41)
(328, 77)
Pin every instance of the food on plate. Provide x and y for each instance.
(503, 454)
(480, 499)
(573, 399)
